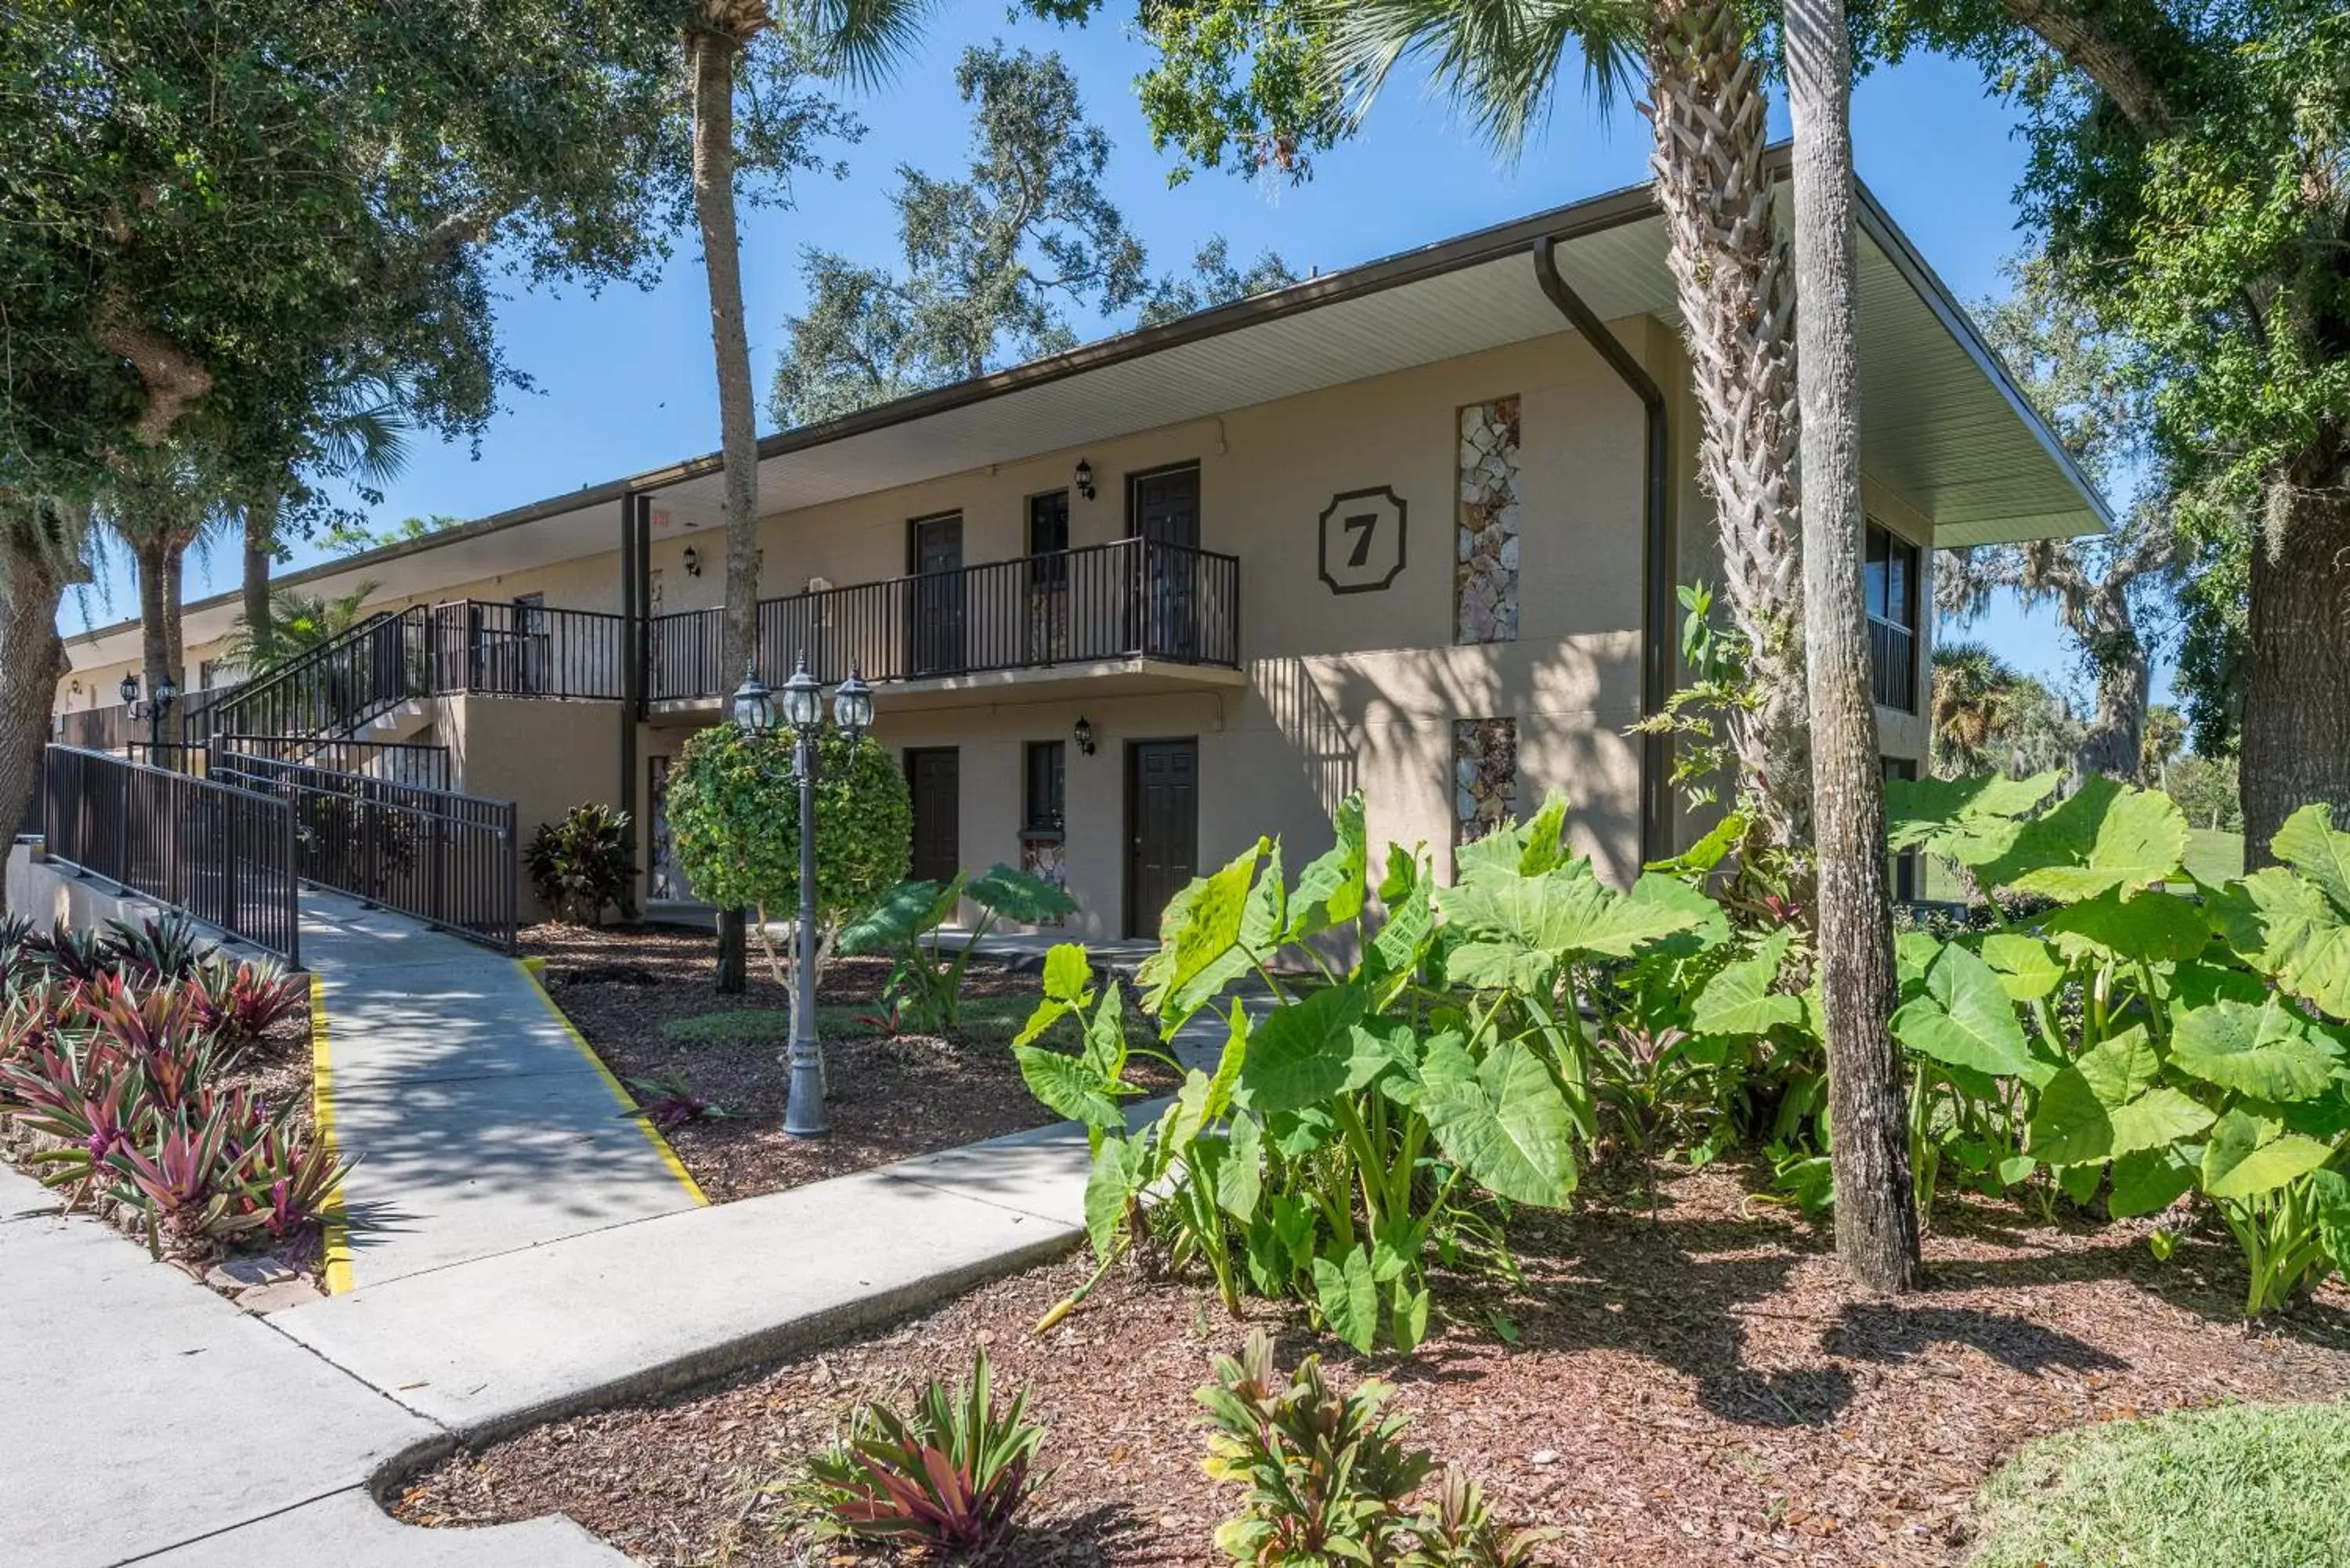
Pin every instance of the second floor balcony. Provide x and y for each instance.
(1129, 605)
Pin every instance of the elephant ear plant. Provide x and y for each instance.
(1370, 1118)
(2134, 1040)
(925, 988)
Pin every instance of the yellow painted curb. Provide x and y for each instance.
(535, 968)
(334, 1228)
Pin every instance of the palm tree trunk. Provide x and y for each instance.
(155, 632)
(29, 594)
(1730, 276)
(712, 55)
(2296, 738)
(260, 551)
(1875, 1220)
(175, 578)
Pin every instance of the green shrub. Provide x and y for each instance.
(2242, 1486)
(581, 866)
(735, 821)
(950, 1475)
(927, 983)
(734, 815)
(1326, 1477)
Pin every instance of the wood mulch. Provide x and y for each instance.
(887, 1099)
(1690, 1386)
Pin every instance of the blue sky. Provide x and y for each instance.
(623, 380)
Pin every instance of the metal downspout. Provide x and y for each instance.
(631, 684)
(1656, 567)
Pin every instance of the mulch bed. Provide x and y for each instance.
(889, 1099)
(1692, 1387)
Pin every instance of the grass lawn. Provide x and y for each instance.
(985, 1019)
(2241, 1486)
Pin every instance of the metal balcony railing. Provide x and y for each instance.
(1893, 665)
(1135, 598)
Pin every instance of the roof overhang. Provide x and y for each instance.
(1943, 426)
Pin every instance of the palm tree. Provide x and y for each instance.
(1502, 59)
(361, 437)
(861, 40)
(159, 501)
(1875, 1218)
(294, 624)
(1973, 689)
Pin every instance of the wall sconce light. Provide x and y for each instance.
(1083, 736)
(692, 562)
(1085, 478)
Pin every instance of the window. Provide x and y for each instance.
(1045, 793)
(1889, 582)
(1048, 539)
(1890, 579)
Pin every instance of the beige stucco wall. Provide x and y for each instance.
(547, 757)
(1344, 691)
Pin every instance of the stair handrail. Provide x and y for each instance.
(245, 712)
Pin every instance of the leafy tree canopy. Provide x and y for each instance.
(733, 811)
(994, 262)
(223, 216)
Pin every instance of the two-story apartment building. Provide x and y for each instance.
(1412, 528)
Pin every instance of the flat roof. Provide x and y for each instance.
(1944, 426)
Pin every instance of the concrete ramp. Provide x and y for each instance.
(481, 1122)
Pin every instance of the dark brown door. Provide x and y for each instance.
(1162, 827)
(1163, 511)
(934, 779)
(935, 548)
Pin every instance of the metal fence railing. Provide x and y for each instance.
(511, 650)
(397, 762)
(450, 860)
(1135, 598)
(224, 854)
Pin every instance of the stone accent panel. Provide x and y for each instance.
(1484, 777)
(1485, 558)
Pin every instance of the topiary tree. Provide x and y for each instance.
(735, 821)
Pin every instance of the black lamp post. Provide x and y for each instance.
(803, 710)
(167, 691)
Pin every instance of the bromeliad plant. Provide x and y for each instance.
(925, 989)
(950, 1475)
(1379, 1118)
(2132, 1039)
(1329, 1479)
(117, 1072)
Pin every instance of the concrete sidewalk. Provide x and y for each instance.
(149, 1419)
(481, 1122)
(483, 1347)
(144, 1418)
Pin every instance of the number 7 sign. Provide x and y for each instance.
(1362, 540)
